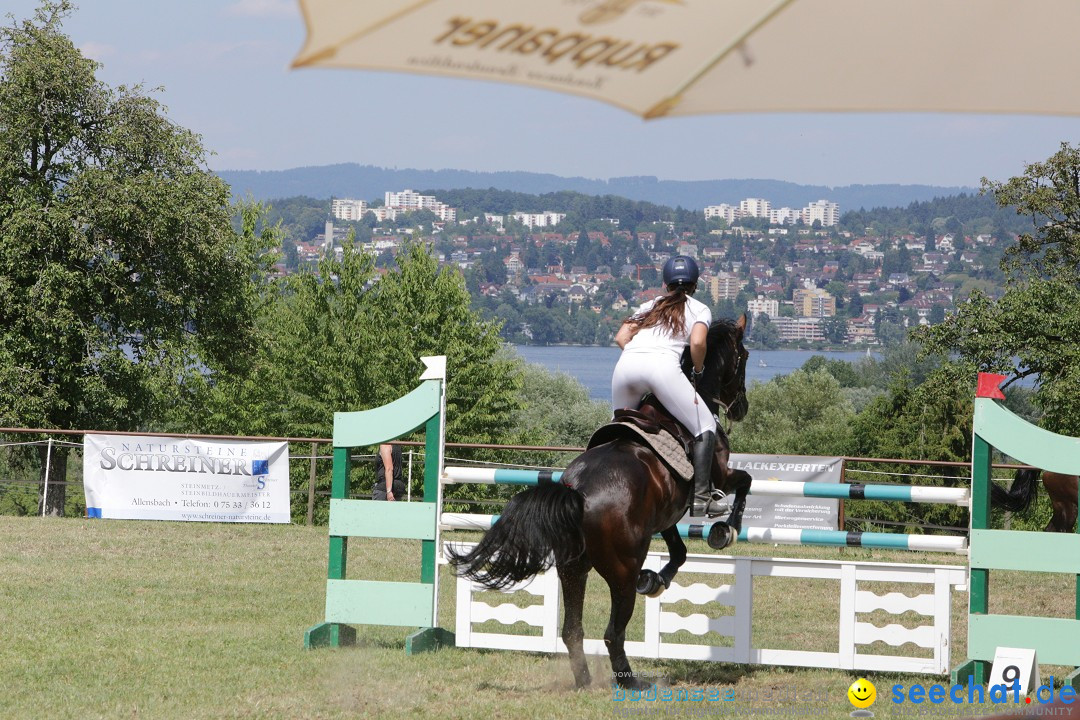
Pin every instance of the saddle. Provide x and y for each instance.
(651, 425)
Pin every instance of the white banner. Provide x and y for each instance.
(154, 478)
(807, 513)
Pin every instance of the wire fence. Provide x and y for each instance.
(25, 463)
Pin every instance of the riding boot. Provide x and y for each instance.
(704, 449)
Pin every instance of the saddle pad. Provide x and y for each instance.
(666, 447)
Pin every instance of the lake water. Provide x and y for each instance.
(592, 366)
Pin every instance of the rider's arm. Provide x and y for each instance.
(698, 335)
(626, 334)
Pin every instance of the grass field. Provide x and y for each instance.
(115, 619)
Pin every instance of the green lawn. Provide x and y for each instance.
(119, 619)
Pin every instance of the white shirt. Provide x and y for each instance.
(657, 339)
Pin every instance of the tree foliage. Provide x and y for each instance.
(119, 268)
(804, 413)
(1032, 328)
(344, 338)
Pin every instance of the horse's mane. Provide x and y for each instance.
(717, 357)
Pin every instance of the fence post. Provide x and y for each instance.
(311, 486)
(45, 491)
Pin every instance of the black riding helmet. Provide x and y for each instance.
(680, 270)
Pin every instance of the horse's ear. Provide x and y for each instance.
(740, 324)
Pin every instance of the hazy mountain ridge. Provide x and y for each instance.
(367, 182)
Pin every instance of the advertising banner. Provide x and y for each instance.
(155, 478)
(805, 513)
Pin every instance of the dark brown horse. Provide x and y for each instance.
(1060, 488)
(611, 501)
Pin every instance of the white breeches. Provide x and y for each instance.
(638, 373)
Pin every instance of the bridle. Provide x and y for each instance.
(741, 393)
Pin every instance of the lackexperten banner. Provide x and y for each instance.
(155, 478)
(805, 513)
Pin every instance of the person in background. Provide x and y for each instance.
(389, 482)
(652, 341)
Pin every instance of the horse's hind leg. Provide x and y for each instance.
(652, 583)
(622, 609)
(573, 578)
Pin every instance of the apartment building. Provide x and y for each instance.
(763, 306)
(800, 328)
(347, 208)
(535, 220)
(822, 210)
(724, 286)
(721, 212)
(409, 201)
(813, 303)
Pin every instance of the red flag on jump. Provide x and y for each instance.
(988, 386)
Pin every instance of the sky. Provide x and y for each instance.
(222, 70)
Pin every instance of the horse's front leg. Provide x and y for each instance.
(724, 534)
(652, 583)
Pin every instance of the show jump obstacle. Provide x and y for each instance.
(364, 602)
(1056, 641)
(369, 602)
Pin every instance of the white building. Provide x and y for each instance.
(763, 305)
(784, 216)
(410, 201)
(721, 212)
(754, 207)
(827, 212)
(535, 220)
(347, 208)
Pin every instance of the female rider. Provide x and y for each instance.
(652, 341)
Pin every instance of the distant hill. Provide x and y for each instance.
(367, 182)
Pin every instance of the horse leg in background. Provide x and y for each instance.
(573, 578)
(1061, 489)
(652, 583)
(724, 534)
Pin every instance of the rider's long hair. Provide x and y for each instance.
(669, 311)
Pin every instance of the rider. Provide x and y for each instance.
(652, 341)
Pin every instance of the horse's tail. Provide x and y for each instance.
(1020, 494)
(539, 526)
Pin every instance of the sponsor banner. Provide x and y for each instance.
(154, 478)
(804, 513)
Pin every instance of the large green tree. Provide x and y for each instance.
(118, 261)
(1032, 329)
(346, 338)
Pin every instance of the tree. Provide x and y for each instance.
(1031, 330)
(338, 340)
(804, 413)
(764, 333)
(119, 267)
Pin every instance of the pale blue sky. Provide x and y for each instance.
(223, 67)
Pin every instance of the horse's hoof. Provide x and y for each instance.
(650, 583)
(721, 535)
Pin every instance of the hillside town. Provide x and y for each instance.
(802, 276)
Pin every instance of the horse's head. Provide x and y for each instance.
(723, 384)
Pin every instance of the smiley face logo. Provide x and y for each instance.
(862, 693)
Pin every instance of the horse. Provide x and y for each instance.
(1061, 489)
(604, 512)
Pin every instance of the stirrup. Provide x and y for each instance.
(713, 507)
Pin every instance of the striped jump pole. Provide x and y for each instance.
(773, 536)
(768, 488)
(498, 476)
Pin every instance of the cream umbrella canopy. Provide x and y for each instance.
(687, 57)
